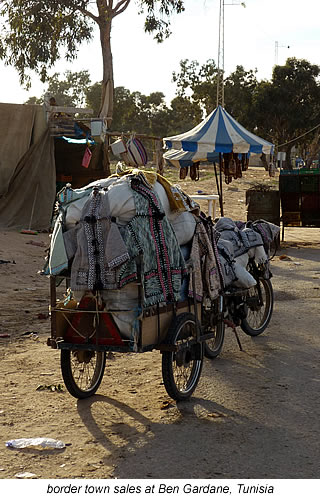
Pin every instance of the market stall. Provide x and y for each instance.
(219, 138)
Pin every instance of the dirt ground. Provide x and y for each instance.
(254, 414)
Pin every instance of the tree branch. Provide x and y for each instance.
(88, 14)
(120, 7)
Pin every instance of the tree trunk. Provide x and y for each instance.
(106, 110)
(314, 149)
(288, 157)
(107, 90)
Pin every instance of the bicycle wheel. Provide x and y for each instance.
(259, 304)
(181, 369)
(213, 346)
(82, 371)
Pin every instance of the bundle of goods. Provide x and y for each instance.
(102, 231)
(131, 239)
(237, 243)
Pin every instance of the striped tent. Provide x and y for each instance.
(182, 159)
(217, 133)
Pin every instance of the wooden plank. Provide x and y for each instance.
(138, 135)
(72, 110)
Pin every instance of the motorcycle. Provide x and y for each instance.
(250, 308)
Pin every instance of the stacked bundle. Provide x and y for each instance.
(103, 229)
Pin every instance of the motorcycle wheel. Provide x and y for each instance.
(259, 303)
(213, 346)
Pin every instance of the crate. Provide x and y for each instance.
(309, 183)
(289, 183)
(310, 202)
(291, 218)
(309, 171)
(289, 173)
(290, 201)
(154, 328)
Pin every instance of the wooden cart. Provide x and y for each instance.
(86, 333)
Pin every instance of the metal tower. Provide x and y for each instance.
(220, 73)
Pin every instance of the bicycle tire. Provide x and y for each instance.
(181, 369)
(82, 371)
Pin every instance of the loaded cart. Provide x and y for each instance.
(85, 334)
(141, 268)
(130, 280)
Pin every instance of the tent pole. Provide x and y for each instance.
(220, 195)
(217, 182)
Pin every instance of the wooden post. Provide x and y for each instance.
(105, 157)
(159, 157)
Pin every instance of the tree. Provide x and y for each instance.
(289, 105)
(183, 115)
(240, 87)
(35, 34)
(198, 83)
(70, 91)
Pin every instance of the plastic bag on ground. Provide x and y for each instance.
(45, 443)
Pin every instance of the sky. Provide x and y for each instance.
(251, 35)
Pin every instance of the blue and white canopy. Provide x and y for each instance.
(182, 159)
(219, 133)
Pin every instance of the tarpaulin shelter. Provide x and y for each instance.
(218, 133)
(27, 167)
(35, 159)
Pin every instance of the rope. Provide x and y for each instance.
(293, 140)
(78, 332)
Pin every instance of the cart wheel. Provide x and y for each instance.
(181, 369)
(213, 346)
(82, 371)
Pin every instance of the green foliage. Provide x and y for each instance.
(158, 16)
(93, 97)
(239, 90)
(183, 115)
(35, 101)
(140, 113)
(200, 84)
(197, 82)
(289, 105)
(70, 91)
(34, 32)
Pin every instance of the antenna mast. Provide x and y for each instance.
(220, 74)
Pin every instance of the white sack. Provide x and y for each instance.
(119, 300)
(122, 207)
(245, 279)
(243, 259)
(121, 201)
(163, 198)
(184, 226)
(74, 210)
